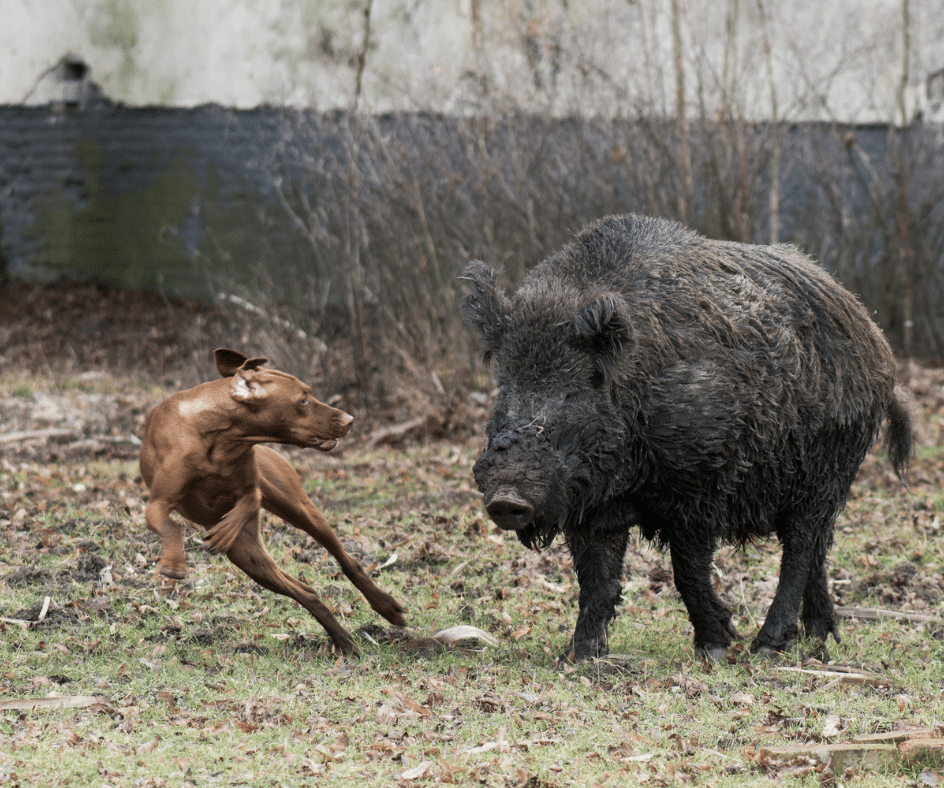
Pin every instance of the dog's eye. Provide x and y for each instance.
(304, 402)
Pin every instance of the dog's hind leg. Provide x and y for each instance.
(284, 496)
(249, 554)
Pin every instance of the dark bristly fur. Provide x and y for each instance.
(704, 391)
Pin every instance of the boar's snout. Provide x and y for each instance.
(509, 510)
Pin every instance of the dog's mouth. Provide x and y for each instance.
(324, 445)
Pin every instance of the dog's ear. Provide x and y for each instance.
(228, 361)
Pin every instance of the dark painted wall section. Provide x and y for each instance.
(177, 199)
(144, 197)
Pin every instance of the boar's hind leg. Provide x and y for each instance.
(598, 561)
(802, 575)
(819, 615)
(806, 536)
(691, 565)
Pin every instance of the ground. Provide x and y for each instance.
(73, 327)
(213, 680)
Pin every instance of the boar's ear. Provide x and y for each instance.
(603, 325)
(486, 307)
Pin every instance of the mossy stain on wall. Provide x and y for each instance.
(177, 233)
(132, 238)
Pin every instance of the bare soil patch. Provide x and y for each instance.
(74, 327)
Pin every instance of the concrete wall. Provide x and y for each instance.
(829, 59)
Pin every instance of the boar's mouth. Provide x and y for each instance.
(509, 510)
(525, 482)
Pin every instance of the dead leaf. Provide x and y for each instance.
(454, 634)
(412, 705)
(147, 747)
(492, 745)
(489, 702)
(742, 699)
(832, 725)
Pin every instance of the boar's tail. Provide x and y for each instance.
(899, 431)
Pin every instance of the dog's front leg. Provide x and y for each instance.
(221, 537)
(173, 561)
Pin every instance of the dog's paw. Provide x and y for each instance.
(221, 537)
(173, 572)
(392, 610)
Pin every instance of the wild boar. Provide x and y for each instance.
(707, 392)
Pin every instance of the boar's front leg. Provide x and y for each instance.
(598, 560)
(711, 620)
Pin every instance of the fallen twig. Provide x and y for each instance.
(394, 433)
(20, 622)
(31, 435)
(842, 676)
(875, 613)
(242, 303)
(65, 702)
(25, 623)
(58, 432)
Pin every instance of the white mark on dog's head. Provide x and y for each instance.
(245, 390)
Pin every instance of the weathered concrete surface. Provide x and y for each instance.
(926, 753)
(896, 737)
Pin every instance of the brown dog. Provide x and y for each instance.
(199, 456)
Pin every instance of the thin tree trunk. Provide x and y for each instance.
(906, 249)
(775, 123)
(683, 152)
(362, 56)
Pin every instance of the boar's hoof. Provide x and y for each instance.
(772, 651)
(770, 647)
(712, 652)
(578, 651)
(509, 510)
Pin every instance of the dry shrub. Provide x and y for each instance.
(385, 211)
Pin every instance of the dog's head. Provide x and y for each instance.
(276, 407)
